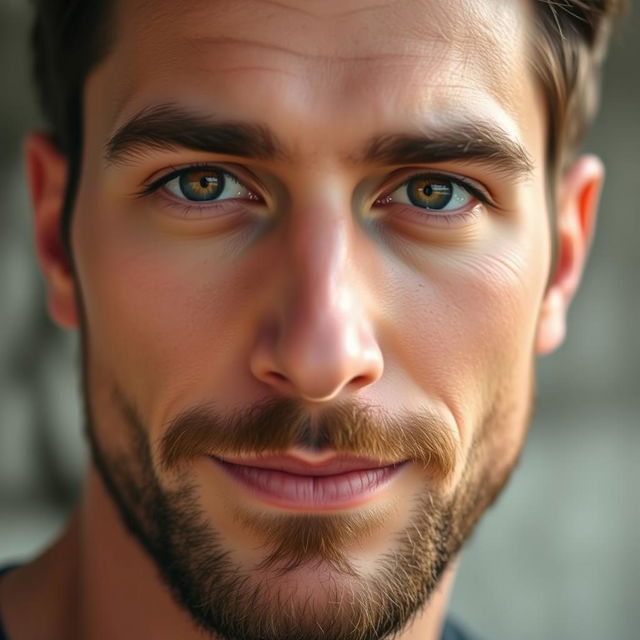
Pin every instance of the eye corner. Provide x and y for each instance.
(380, 201)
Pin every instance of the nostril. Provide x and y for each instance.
(360, 381)
(317, 369)
(275, 377)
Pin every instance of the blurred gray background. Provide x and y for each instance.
(557, 558)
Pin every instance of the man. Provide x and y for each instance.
(312, 249)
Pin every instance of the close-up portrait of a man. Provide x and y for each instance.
(312, 250)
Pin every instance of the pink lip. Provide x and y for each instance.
(286, 481)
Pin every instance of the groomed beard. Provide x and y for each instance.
(270, 602)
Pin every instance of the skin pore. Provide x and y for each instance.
(315, 307)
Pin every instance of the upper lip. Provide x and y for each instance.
(291, 464)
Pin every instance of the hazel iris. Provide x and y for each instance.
(202, 184)
(429, 192)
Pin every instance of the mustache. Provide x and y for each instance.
(281, 424)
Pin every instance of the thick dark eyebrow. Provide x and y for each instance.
(467, 141)
(168, 126)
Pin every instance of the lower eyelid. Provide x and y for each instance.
(423, 219)
(187, 209)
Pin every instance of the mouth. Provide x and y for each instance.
(292, 483)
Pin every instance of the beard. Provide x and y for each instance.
(306, 585)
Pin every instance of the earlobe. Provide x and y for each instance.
(47, 177)
(577, 204)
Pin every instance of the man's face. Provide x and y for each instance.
(311, 245)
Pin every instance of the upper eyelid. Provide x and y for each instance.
(154, 183)
(474, 188)
(174, 172)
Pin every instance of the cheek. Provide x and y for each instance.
(163, 313)
(468, 338)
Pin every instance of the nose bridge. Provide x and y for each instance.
(320, 285)
(325, 337)
(324, 341)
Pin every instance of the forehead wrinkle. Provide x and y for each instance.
(450, 64)
(319, 14)
(222, 41)
(284, 5)
(488, 36)
(417, 37)
(323, 9)
(338, 14)
(324, 35)
(352, 12)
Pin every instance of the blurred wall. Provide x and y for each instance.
(556, 558)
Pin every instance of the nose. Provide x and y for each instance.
(318, 341)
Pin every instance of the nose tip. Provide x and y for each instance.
(320, 367)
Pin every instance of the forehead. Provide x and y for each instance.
(342, 61)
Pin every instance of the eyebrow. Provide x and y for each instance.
(465, 141)
(168, 126)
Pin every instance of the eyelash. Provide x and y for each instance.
(471, 187)
(431, 216)
(176, 172)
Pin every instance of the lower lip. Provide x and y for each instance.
(294, 491)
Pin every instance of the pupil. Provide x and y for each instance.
(201, 185)
(430, 193)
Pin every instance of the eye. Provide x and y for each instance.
(433, 193)
(204, 184)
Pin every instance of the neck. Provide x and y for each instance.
(97, 583)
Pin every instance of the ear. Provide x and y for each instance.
(47, 172)
(577, 204)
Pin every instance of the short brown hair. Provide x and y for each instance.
(70, 37)
(569, 45)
